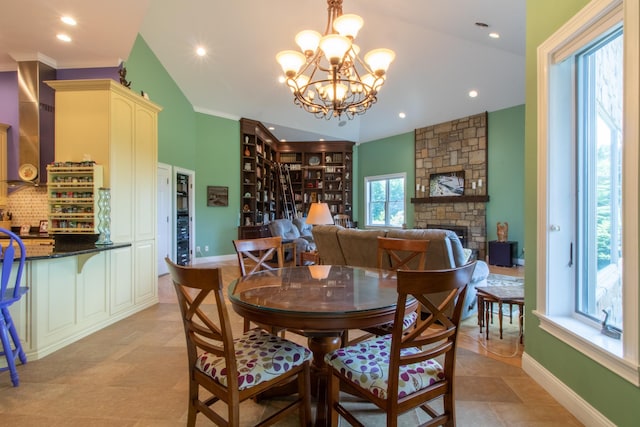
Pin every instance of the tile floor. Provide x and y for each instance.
(133, 373)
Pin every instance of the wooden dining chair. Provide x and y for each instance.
(253, 256)
(233, 370)
(402, 254)
(398, 254)
(399, 371)
(342, 220)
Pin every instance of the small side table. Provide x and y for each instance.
(487, 295)
(309, 256)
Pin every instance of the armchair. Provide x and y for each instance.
(284, 228)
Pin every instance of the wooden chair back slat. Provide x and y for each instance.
(400, 253)
(265, 248)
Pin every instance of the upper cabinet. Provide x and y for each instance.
(103, 121)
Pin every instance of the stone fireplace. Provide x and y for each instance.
(457, 147)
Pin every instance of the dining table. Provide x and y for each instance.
(320, 302)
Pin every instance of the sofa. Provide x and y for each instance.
(347, 246)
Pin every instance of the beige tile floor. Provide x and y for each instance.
(133, 373)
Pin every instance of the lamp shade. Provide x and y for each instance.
(379, 60)
(334, 47)
(290, 61)
(319, 272)
(319, 214)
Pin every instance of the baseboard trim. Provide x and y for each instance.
(580, 408)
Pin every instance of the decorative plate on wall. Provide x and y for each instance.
(27, 172)
(314, 161)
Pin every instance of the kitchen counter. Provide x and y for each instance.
(45, 251)
(75, 288)
(44, 246)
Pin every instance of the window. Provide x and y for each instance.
(599, 184)
(587, 186)
(385, 200)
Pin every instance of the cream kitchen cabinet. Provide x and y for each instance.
(73, 296)
(103, 121)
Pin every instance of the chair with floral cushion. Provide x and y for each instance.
(253, 256)
(406, 370)
(233, 370)
(398, 254)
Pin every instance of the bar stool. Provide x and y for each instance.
(8, 296)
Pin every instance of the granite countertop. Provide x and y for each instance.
(44, 246)
(36, 252)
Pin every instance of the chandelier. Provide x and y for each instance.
(328, 79)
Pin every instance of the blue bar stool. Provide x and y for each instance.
(8, 296)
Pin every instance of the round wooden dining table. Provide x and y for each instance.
(320, 302)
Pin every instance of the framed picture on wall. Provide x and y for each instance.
(446, 184)
(217, 196)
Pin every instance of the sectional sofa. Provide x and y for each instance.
(346, 246)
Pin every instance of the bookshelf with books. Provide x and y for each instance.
(318, 171)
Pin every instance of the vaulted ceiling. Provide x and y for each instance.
(441, 54)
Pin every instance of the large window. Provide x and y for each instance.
(385, 204)
(588, 185)
(599, 180)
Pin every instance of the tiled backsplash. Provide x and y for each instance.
(28, 205)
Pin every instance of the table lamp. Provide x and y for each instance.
(319, 214)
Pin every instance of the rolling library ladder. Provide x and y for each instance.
(288, 206)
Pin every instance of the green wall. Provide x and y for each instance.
(217, 163)
(396, 154)
(615, 398)
(381, 157)
(205, 144)
(506, 177)
(176, 122)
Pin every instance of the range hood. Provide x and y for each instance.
(36, 123)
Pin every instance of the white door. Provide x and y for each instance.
(165, 217)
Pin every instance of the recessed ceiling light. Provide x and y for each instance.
(494, 35)
(271, 128)
(473, 93)
(283, 140)
(402, 115)
(200, 51)
(63, 37)
(321, 139)
(68, 20)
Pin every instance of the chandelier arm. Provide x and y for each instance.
(334, 10)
